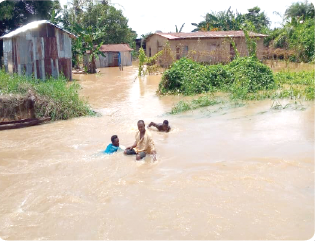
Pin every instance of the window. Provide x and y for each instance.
(149, 52)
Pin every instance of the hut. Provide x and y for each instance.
(39, 48)
(115, 55)
(210, 47)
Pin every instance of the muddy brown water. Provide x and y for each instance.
(222, 173)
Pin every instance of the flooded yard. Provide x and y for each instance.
(222, 173)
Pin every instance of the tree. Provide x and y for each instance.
(111, 21)
(228, 20)
(300, 10)
(257, 18)
(14, 14)
(96, 24)
(85, 43)
(297, 32)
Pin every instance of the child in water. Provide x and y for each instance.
(114, 146)
(161, 126)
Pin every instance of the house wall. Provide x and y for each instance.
(204, 50)
(210, 50)
(42, 52)
(126, 58)
(110, 59)
(155, 44)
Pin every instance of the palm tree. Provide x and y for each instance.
(223, 20)
(181, 28)
(300, 10)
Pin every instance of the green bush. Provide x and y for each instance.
(55, 98)
(189, 77)
(241, 76)
(249, 75)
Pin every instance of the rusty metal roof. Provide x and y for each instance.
(210, 34)
(33, 25)
(115, 48)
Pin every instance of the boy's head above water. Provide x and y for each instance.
(115, 140)
(165, 125)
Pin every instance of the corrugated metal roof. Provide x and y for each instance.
(115, 48)
(33, 25)
(210, 34)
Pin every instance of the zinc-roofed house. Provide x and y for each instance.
(39, 48)
(115, 55)
(211, 47)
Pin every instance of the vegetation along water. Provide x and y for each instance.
(55, 98)
(238, 163)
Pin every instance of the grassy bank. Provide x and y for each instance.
(55, 98)
(242, 79)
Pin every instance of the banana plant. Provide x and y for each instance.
(85, 44)
(181, 28)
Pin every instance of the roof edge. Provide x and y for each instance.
(33, 25)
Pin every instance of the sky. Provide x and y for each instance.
(152, 15)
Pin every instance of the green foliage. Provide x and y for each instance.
(299, 84)
(189, 77)
(241, 76)
(14, 14)
(55, 98)
(228, 20)
(257, 18)
(237, 55)
(302, 40)
(249, 75)
(302, 10)
(163, 58)
(297, 32)
(96, 24)
(142, 61)
(108, 24)
(181, 28)
(251, 44)
(86, 42)
(295, 78)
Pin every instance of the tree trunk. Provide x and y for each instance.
(92, 65)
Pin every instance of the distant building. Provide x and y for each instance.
(211, 47)
(140, 42)
(39, 48)
(115, 55)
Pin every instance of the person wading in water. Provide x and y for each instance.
(143, 144)
(161, 126)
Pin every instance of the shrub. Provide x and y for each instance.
(241, 76)
(189, 77)
(250, 75)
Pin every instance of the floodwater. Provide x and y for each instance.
(222, 173)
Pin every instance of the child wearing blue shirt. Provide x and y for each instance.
(114, 146)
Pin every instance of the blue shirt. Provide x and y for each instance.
(110, 149)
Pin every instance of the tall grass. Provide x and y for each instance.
(55, 98)
(202, 101)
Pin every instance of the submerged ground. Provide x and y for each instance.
(223, 172)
